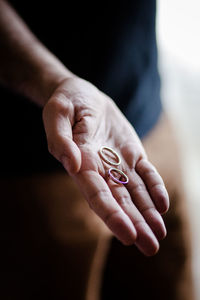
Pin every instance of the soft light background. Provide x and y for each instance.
(178, 34)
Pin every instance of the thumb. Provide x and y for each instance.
(58, 130)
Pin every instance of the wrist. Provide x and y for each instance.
(45, 75)
(25, 64)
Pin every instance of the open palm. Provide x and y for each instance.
(78, 120)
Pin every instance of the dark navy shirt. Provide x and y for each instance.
(110, 43)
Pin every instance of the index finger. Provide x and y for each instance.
(101, 201)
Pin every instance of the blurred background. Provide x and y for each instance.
(178, 34)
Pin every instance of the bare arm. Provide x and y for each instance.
(25, 64)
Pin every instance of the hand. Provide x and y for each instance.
(78, 120)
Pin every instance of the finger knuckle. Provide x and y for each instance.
(139, 222)
(139, 188)
(158, 186)
(111, 216)
(124, 200)
(145, 168)
(99, 194)
(94, 197)
(147, 210)
(148, 173)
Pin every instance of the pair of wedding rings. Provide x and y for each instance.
(122, 177)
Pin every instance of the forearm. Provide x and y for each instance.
(25, 64)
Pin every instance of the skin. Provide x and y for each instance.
(78, 120)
